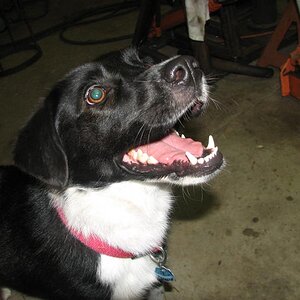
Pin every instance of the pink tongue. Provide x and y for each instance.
(172, 148)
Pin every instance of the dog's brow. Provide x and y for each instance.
(105, 72)
(109, 73)
(130, 55)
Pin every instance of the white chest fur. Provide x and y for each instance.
(129, 277)
(129, 215)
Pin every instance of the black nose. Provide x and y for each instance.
(180, 69)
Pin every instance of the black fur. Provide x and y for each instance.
(38, 255)
(68, 142)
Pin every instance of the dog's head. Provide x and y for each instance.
(113, 120)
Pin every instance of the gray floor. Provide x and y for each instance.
(236, 237)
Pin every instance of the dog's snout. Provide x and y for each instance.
(180, 69)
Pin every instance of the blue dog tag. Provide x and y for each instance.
(164, 273)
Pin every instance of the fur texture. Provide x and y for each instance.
(80, 153)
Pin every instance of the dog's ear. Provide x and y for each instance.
(39, 150)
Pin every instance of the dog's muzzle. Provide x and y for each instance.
(173, 154)
(182, 70)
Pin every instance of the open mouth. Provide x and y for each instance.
(174, 154)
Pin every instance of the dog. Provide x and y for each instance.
(84, 211)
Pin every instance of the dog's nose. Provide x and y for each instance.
(180, 69)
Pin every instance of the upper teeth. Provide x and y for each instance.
(142, 157)
(211, 143)
(132, 153)
(175, 131)
(180, 135)
(152, 161)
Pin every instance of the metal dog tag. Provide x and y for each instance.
(164, 273)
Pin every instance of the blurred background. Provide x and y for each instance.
(236, 237)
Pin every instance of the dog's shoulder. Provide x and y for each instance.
(12, 179)
(20, 193)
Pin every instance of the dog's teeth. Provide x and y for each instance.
(201, 160)
(139, 153)
(207, 158)
(193, 160)
(175, 131)
(211, 143)
(214, 152)
(133, 154)
(183, 136)
(152, 161)
(140, 156)
(143, 158)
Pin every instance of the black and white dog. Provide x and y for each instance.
(84, 211)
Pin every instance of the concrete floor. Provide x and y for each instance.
(237, 237)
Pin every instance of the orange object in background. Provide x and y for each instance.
(213, 5)
(290, 75)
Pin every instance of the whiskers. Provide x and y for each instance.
(186, 117)
(218, 104)
(214, 77)
(142, 131)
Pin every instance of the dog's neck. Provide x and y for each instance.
(95, 243)
(131, 216)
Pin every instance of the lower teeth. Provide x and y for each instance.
(193, 160)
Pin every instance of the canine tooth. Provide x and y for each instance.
(193, 160)
(211, 143)
(201, 160)
(183, 136)
(152, 161)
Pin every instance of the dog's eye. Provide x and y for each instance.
(95, 94)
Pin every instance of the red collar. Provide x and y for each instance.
(95, 243)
